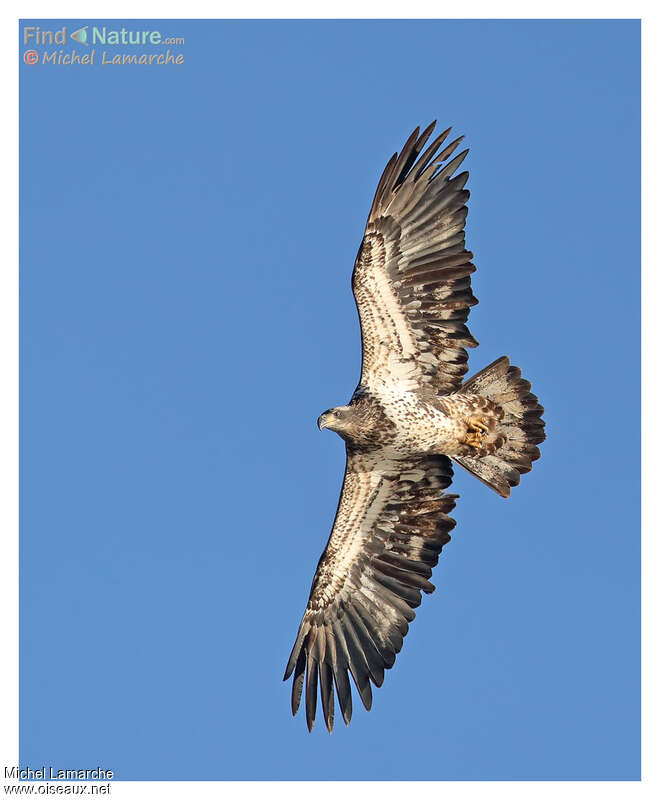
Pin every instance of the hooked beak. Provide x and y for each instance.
(322, 422)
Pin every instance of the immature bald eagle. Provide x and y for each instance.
(409, 417)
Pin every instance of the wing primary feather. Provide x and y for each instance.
(357, 664)
(297, 647)
(341, 675)
(327, 695)
(411, 157)
(423, 139)
(311, 691)
(442, 156)
(399, 171)
(344, 694)
(372, 656)
(383, 180)
(431, 151)
(378, 626)
(298, 679)
(321, 644)
(449, 169)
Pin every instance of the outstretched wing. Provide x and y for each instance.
(411, 279)
(391, 523)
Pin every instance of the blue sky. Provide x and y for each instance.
(187, 236)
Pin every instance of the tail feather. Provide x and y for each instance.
(522, 426)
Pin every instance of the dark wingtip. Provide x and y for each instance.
(291, 663)
(429, 129)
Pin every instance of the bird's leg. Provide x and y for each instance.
(477, 430)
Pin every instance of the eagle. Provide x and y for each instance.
(409, 418)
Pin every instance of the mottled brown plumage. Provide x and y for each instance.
(409, 417)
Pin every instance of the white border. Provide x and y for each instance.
(194, 9)
(9, 403)
(340, 9)
(650, 387)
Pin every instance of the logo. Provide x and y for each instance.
(34, 35)
(80, 35)
(138, 46)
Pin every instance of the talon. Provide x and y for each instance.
(478, 429)
(478, 423)
(475, 438)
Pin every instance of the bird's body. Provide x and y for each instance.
(402, 423)
(409, 418)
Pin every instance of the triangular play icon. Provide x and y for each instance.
(80, 35)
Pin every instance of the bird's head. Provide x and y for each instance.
(336, 419)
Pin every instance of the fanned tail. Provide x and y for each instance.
(522, 426)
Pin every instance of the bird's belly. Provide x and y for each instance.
(421, 428)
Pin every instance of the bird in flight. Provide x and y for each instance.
(410, 416)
